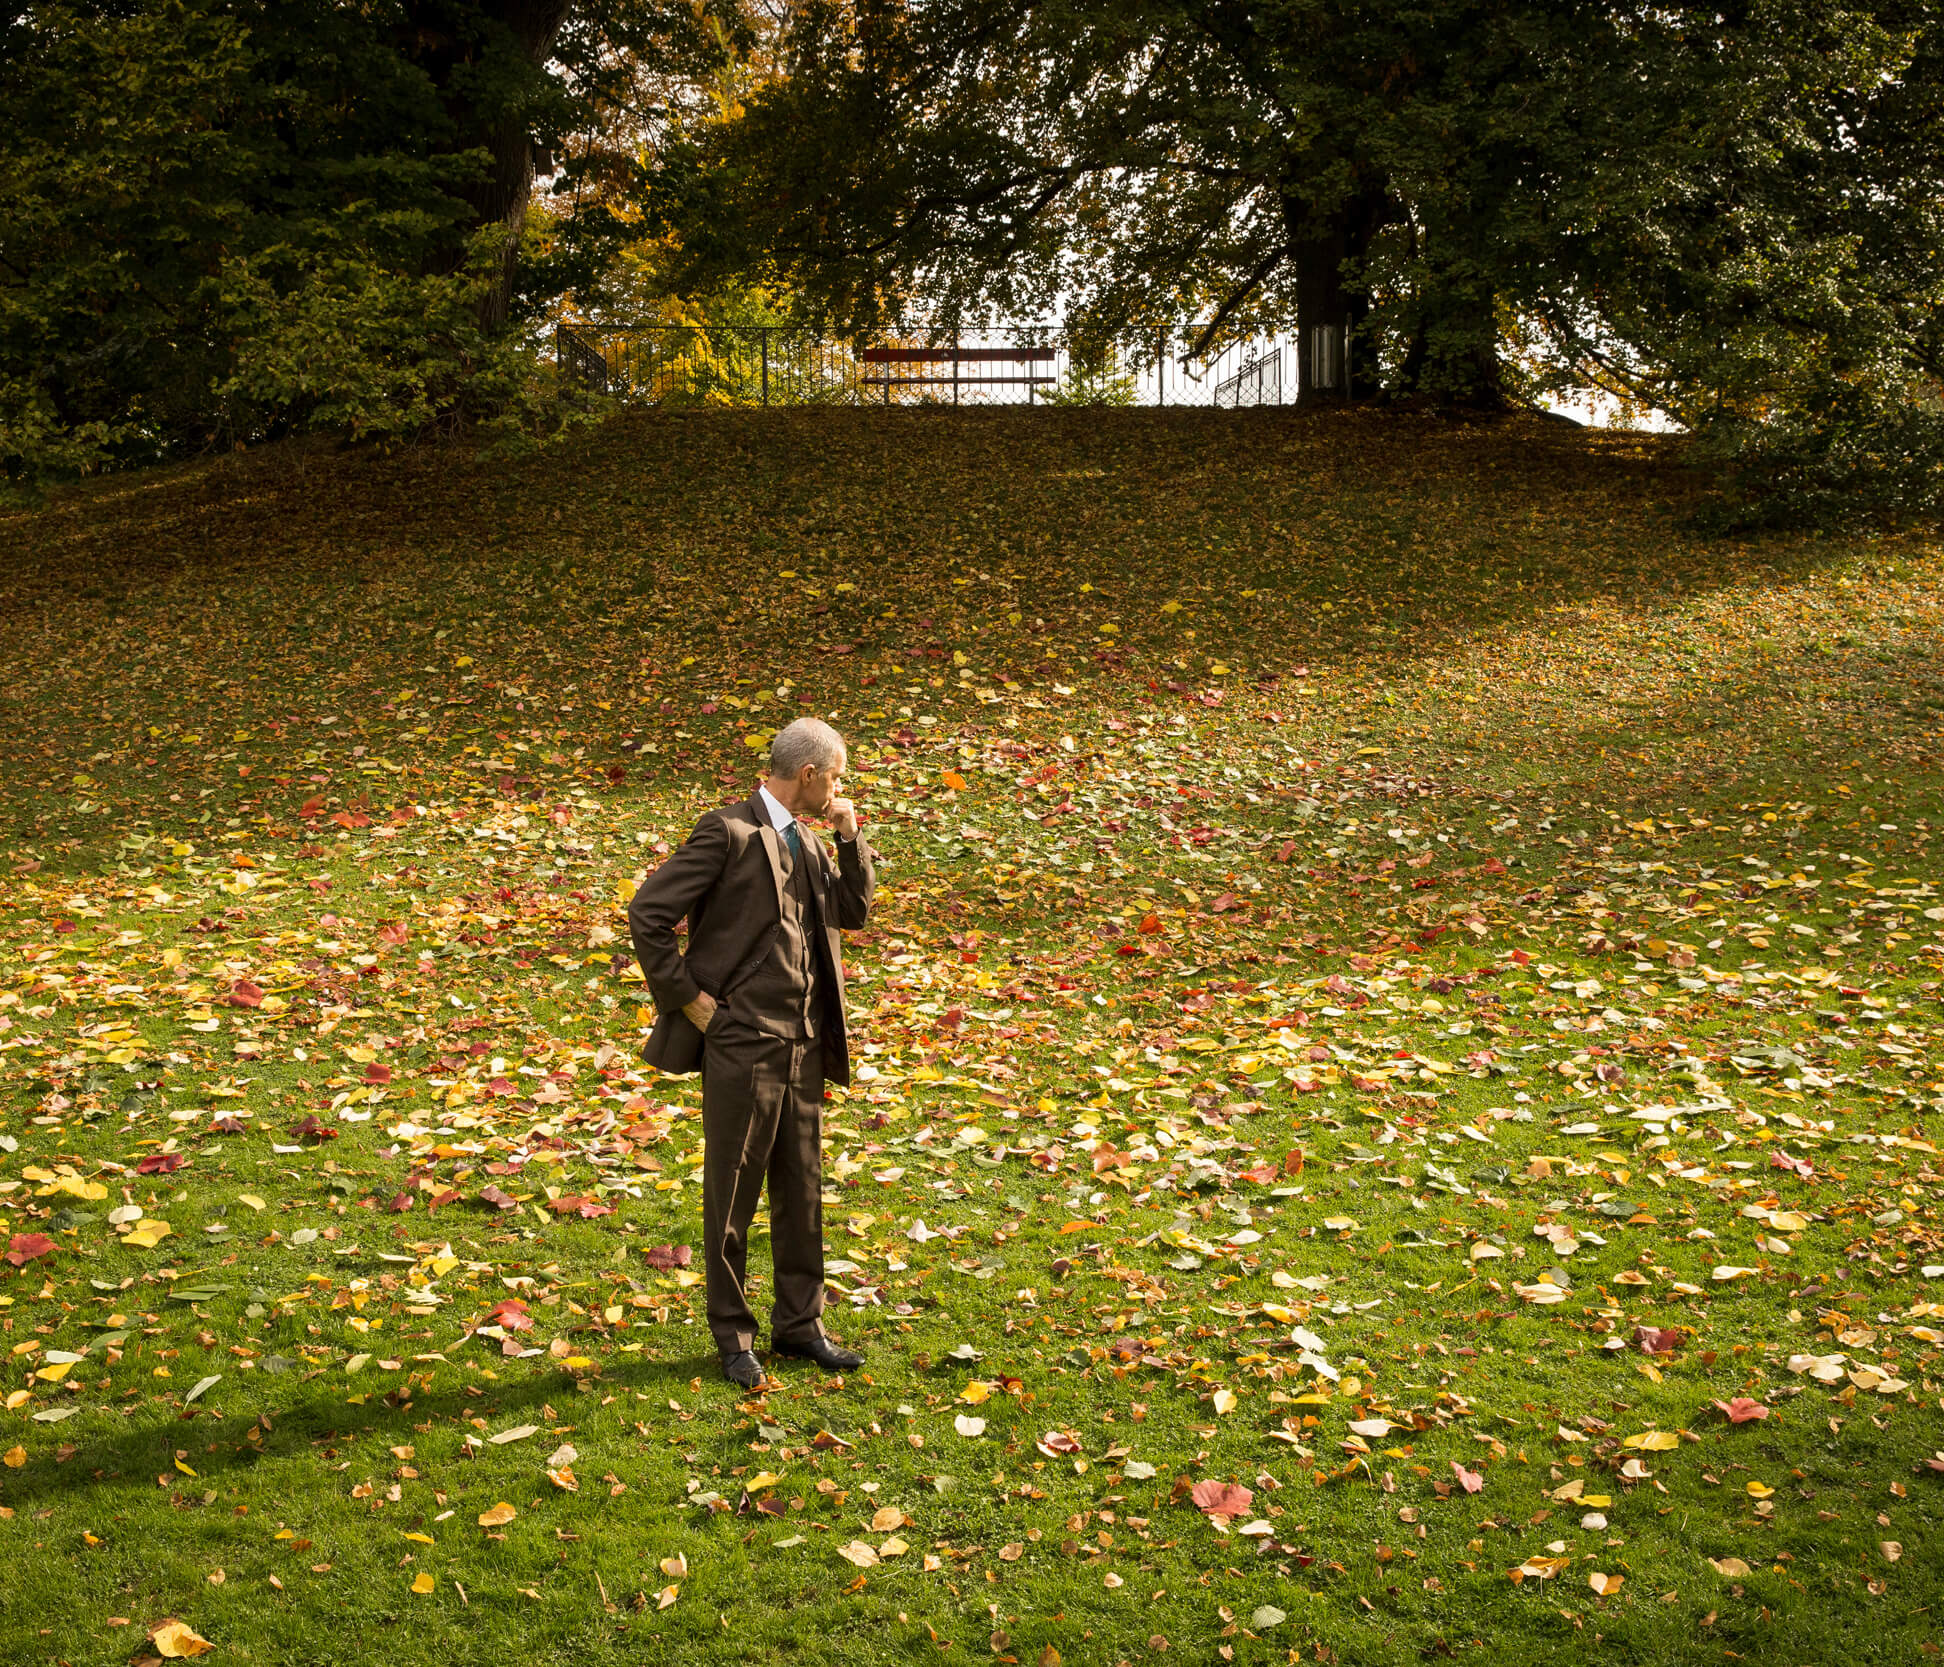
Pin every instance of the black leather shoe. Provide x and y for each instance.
(823, 1351)
(744, 1369)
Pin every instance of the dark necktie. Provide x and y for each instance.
(795, 843)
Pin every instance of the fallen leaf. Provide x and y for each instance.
(1222, 1499)
(24, 1247)
(173, 1638)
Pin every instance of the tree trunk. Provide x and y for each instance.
(1328, 312)
(529, 28)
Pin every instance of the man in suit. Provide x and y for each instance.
(758, 1003)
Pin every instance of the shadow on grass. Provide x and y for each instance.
(301, 1424)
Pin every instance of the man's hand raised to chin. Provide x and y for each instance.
(843, 818)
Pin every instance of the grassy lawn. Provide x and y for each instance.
(1403, 1008)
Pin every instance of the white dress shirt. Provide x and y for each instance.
(779, 815)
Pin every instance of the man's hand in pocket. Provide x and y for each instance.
(701, 1010)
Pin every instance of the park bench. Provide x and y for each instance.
(883, 368)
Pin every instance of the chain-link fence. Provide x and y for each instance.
(669, 364)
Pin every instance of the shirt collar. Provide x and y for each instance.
(779, 816)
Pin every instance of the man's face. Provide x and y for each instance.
(819, 787)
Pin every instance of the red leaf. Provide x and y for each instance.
(393, 933)
(1742, 1410)
(1657, 1340)
(227, 1125)
(1470, 1480)
(401, 1202)
(160, 1163)
(511, 1313)
(502, 1086)
(1227, 901)
(312, 805)
(1262, 1174)
(1150, 924)
(316, 1130)
(498, 1199)
(1222, 1499)
(1793, 1164)
(669, 1256)
(26, 1246)
(376, 1073)
(245, 994)
(585, 1208)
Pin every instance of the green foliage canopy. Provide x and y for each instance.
(221, 220)
(1724, 212)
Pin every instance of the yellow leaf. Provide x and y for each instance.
(497, 1516)
(14, 1457)
(422, 1539)
(174, 1639)
(1654, 1441)
(250, 1199)
(1733, 1567)
(1602, 1584)
(423, 1584)
(1759, 1490)
(762, 1479)
(147, 1234)
(1225, 1401)
(676, 1567)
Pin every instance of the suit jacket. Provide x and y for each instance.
(727, 878)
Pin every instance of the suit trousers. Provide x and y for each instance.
(762, 1118)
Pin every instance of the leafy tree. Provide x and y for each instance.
(221, 220)
(1724, 211)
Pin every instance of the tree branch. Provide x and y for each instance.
(1248, 287)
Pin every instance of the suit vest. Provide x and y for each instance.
(783, 996)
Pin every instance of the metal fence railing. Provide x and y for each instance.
(1032, 364)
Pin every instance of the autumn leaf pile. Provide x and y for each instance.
(1398, 1091)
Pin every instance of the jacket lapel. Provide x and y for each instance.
(772, 846)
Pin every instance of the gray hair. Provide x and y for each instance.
(805, 741)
